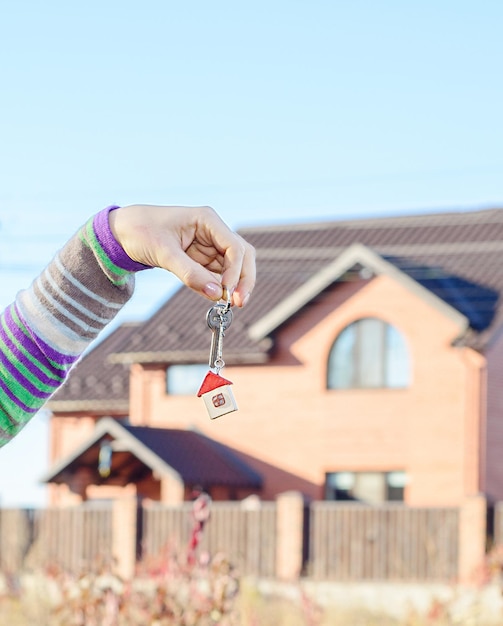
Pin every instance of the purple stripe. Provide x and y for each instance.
(39, 348)
(17, 401)
(22, 380)
(24, 360)
(111, 246)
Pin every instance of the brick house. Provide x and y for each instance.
(367, 366)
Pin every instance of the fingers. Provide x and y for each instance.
(236, 269)
(193, 243)
(207, 273)
(238, 263)
(194, 275)
(239, 273)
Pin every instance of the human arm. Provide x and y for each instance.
(50, 324)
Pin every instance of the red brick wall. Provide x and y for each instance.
(289, 420)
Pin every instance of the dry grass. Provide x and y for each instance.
(259, 610)
(12, 612)
(252, 609)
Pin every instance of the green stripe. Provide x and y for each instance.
(121, 274)
(7, 426)
(24, 371)
(24, 330)
(14, 415)
(6, 422)
(20, 348)
(26, 397)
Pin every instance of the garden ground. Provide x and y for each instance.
(51, 601)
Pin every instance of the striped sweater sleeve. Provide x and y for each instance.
(50, 324)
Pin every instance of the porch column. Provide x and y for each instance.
(172, 489)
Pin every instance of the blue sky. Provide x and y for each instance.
(270, 111)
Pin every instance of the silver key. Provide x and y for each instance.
(218, 318)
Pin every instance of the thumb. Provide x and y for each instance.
(194, 275)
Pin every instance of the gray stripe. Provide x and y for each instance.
(76, 283)
(65, 312)
(48, 327)
(65, 297)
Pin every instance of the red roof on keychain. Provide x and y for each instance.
(212, 381)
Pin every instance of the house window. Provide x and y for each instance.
(369, 353)
(186, 379)
(367, 487)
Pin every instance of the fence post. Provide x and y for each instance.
(498, 524)
(14, 539)
(472, 537)
(289, 535)
(124, 514)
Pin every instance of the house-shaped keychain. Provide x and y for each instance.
(217, 395)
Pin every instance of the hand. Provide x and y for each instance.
(191, 242)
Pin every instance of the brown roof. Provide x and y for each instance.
(177, 333)
(454, 256)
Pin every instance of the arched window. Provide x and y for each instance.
(369, 353)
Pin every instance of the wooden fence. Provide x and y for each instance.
(325, 541)
(353, 542)
(73, 538)
(248, 537)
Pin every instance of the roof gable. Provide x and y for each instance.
(355, 255)
(187, 455)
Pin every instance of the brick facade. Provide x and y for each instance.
(294, 430)
(427, 278)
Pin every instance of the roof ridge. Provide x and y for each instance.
(390, 221)
(408, 249)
